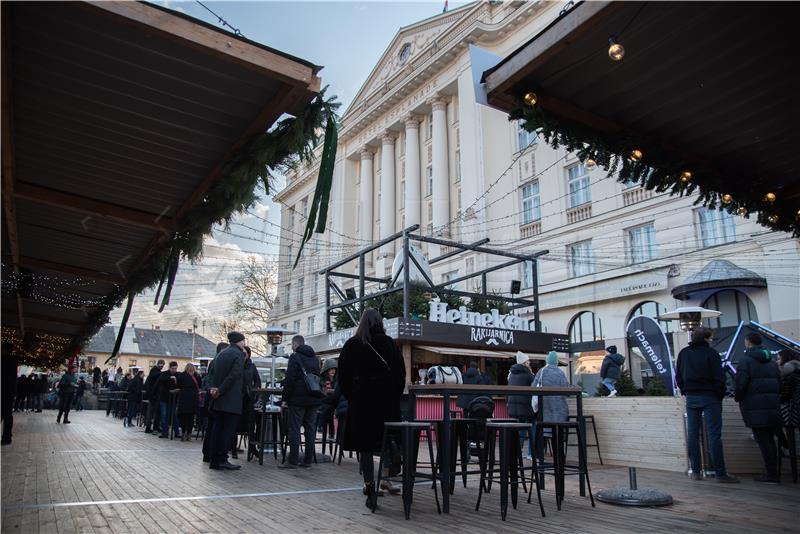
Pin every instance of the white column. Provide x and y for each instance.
(471, 147)
(412, 200)
(388, 207)
(366, 220)
(441, 178)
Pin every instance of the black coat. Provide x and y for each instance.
(790, 394)
(225, 374)
(189, 396)
(610, 368)
(135, 388)
(472, 376)
(250, 378)
(519, 406)
(373, 388)
(165, 384)
(699, 371)
(151, 382)
(295, 392)
(758, 389)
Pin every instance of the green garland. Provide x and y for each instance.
(659, 170)
(290, 143)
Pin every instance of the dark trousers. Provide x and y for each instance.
(153, 417)
(65, 403)
(168, 411)
(307, 417)
(8, 419)
(186, 421)
(708, 407)
(221, 435)
(133, 409)
(765, 438)
(207, 436)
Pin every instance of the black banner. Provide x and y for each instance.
(771, 340)
(652, 342)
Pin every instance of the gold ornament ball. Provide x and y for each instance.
(616, 52)
(686, 176)
(530, 99)
(773, 219)
(770, 197)
(591, 164)
(727, 199)
(742, 211)
(636, 155)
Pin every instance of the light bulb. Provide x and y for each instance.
(530, 99)
(770, 197)
(742, 211)
(615, 50)
(727, 199)
(773, 219)
(636, 155)
(591, 164)
(686, 176)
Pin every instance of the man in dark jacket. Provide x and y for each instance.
(167, 403)
(225, 387)
(472, 376)
(758, 392)
(250, 381)
(610, 369)
(152, 418)
(519, 406)
(135, 388)
(8, 389)
(702, 381)
(302, 405)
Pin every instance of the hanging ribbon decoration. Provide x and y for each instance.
(322, 193)
(122, 326)
(164, 275)
(173, 271)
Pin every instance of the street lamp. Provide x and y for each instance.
(274, 337)
(690, 317)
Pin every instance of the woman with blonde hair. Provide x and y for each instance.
(188, 399)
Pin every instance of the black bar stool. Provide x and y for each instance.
(596, 444)
(560, 468)
(259, 439)
(409, 443)
(512, 470)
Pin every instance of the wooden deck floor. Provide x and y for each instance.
(96, 476)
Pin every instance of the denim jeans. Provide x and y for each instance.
(610, 383)
(164, 413)
(710, 408)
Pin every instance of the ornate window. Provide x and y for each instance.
(405, 53)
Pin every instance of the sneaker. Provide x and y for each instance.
(613, 393)
(727, 479)
(767, 479)
(697, 476)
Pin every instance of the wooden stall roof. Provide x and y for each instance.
(715, 82)
(116, 119)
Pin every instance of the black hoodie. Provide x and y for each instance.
(758, 388)
(294, 386)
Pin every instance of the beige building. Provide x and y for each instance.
(416, 148)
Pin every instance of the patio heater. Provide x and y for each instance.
(274, 338)
(690, 317)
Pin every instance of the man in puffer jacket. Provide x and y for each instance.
(301, 403)
(610, 369)
(758, 392)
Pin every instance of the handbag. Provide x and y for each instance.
(535, 398)
(312, 383)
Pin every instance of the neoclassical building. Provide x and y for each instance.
(416, 147)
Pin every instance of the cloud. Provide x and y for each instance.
(260, 209)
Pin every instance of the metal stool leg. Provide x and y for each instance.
(584, 465)
(434, 473)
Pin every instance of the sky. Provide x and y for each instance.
(347, 39)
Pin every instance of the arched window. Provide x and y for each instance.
(650, 308)
(734, 305)
(586, 326)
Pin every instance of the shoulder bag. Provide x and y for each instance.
(312, 383)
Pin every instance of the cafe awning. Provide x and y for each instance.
(704, 87)
(718, 274)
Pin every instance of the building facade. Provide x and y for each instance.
(416, 148)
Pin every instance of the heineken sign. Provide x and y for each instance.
(440, 313)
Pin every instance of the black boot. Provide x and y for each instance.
(372, 496)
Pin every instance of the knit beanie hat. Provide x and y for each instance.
(235, 337)
(522, 358)
(612, 349)
(552, 358)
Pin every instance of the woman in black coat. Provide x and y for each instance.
(188, 400)
(372, 377)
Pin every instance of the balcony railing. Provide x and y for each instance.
(579, 213)
(531, 229)
(637, 194)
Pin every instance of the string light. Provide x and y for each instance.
(770, 197)
(530, 98)
(773, 219)
(686, 176)
(615, 50)
(742, 211)
(637, 155)
(727, 199)
(591, 164)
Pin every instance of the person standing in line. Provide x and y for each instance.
(611, 369)
(701, 379)
(79, 395)
(96, 373)
(758, 392)
(519, 406)
(188, 400)
(152, 418)
(250, 381)
(66, 391)
(225, 387)
(302, 405)
(135, 388)
(168, 382)
(554, 407)
(471, 376)
(209, 416)
(8, 390)
(372, 376)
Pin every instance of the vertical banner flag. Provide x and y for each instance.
(652, 343)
